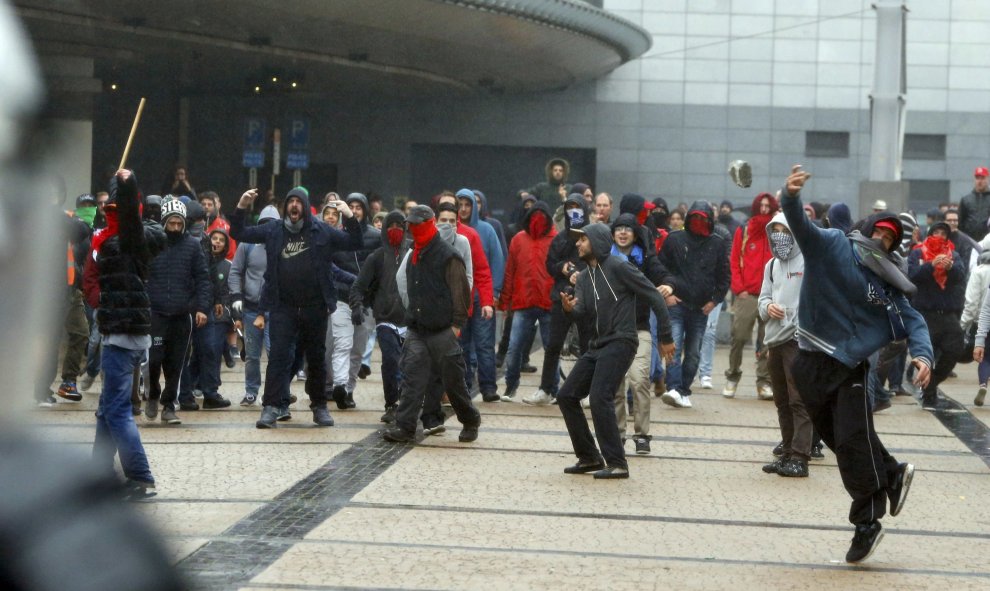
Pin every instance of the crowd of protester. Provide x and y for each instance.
(167, 286)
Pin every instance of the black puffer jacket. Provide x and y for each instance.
(699, 265)
(974, 212)
(563, 251)
(178, 282)
(122, 263)
(377, 279)
(353, 261)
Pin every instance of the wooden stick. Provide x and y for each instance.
(130, 138)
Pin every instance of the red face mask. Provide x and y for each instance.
(422, 233)
(698, 226)
(395, 236)
(538, 225)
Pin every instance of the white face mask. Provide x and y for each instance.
(447, 232)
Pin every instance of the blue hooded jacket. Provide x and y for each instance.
(489, 241)
(840, 312)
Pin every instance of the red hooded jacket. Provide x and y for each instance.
(527, 284)
(751, 249)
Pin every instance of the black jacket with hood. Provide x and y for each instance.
(179, 280)
(563, 251)
(219, 268)
(608, 292)
(324, 239)
(698, 265)
(649, 266)
(377, 279)
(352, 261)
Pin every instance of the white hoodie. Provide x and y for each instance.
(782, 281)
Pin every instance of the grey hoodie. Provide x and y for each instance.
(247, 269)
(782, 279)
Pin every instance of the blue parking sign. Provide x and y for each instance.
(254, 134)
(298, 135)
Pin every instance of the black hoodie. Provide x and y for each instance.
(608, 292)
(353, 261)
(376, 283)
(219, 268)
(563, 251)
(699, 265)
(647, 263)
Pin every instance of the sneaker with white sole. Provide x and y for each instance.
(685, 402)
(86, 382)
(729, 391)
(764, 392)
(671, 398)
(981, 395)
(706, 383)
(538, 398)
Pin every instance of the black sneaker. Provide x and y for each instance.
(349, 400)
(499, 360)
(490, 396)
(779, 450)
(398, 435)
(214, 402)
(321, 416)
(46, 400)
(865, 541)
(283, 414)
(881, 406)
(816, 452)
(793, 468)
(389, 416)
(228, 357)
(339, 395)
(898, 490)
(611, 472)
(68, 391)
(468, 434)
(269, 417)
(137, 491)
(364, 372)
(585, 467)
(188, 405)
(642, 445)
(774, 466)
(510, 394)
(929, 402)
(527, 368)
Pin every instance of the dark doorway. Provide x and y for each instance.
(498, 171)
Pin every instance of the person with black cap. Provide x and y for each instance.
(298, 293)
(853, 302)
(606, 292)
(439, 295)
(940, 276)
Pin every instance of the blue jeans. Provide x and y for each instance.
(390, 342)
(656, 366)
(688, 326)
(478, 337)
(708, 343)
(203, 369)
(254, 338)
(523, 328)
(116, 431)
(93, 348)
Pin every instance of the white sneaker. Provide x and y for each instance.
(672, 398)
(764, 392)
(538, 398)
(729, 391)
(685, 402)
(706, 382)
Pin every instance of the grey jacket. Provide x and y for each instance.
(247, 268)
(782, 279)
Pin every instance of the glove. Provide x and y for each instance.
(238, 306)
(357, 316)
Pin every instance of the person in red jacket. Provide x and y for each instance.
(750, 253)
(526, 289)
(215, 220)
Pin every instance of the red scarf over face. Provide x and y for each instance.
(110, 213)
(538, 224)
(698, 224)
(931, 248)
(422, 233)
(395, 236)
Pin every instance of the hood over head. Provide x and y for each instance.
(755, 206)
(631, 203)
(469, 194)
(360, 198)
(302, 195)
(393, 217)
(629, 220)
(839, 217)
(561, 161)
(700, 208)
(270, 212)
(194, 212)
(226, 237)
(870, 223)
(579, 188)
(600, 236)
(543, 208)
(783, 247)
(579, 200)
(482, 203)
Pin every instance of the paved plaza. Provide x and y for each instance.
(302, 507)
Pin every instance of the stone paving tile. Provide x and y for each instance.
(179, 548)
(500, 480)
(720, 542)
(331, 565)
(192, 519)
(341, 434)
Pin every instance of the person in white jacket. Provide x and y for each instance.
(973, 313)
(778, 308)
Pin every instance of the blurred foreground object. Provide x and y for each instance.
(741, 173)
